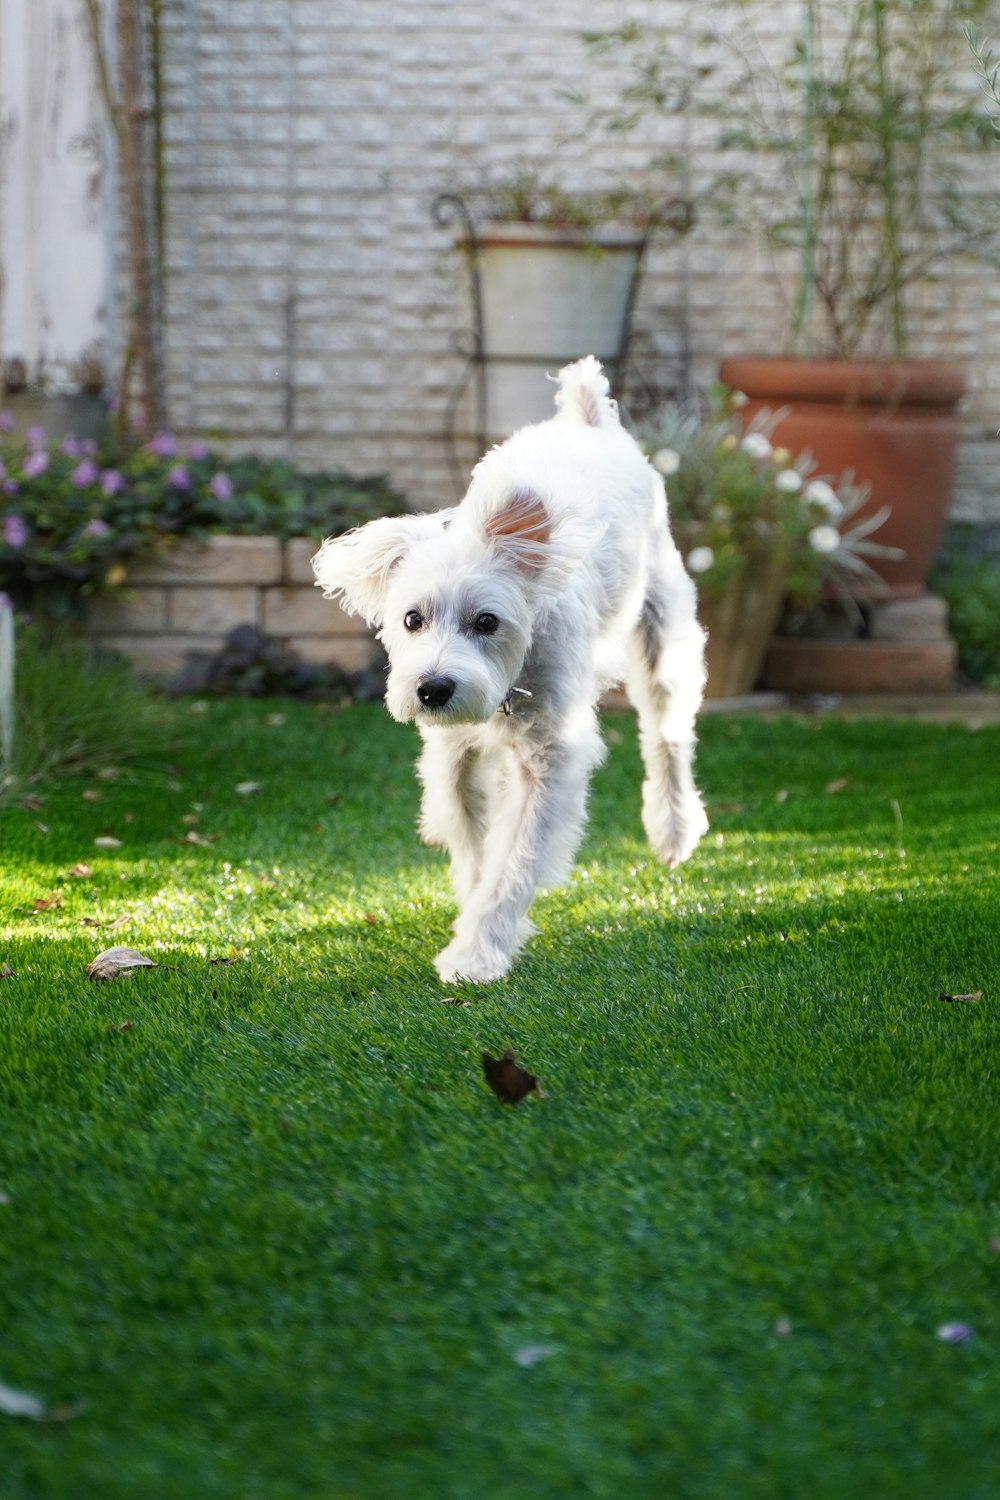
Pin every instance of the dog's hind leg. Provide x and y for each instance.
(455, 804)
(666, 682)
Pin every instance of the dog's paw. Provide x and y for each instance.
(459, 962)
(674, 839)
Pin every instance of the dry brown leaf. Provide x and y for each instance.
(962, 999)
(113, 961)
(91, 794)
(194, 837)
(47, 903)
(32, 803)
(6, 972)
(508, 1081)
(838, 785)
(81, 871)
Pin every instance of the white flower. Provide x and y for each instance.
(818, 492)
(757, 445)
(666, 461)
(738, 398)
(824, 539)
(789, 481)
(700, 559)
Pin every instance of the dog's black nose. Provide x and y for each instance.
(435, 692)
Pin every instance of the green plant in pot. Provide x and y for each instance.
(855, 170)
(756, 525)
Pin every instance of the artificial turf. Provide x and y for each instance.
(267, 1235)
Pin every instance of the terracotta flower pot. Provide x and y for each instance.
(893, 423)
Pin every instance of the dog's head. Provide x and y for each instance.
(455, 596)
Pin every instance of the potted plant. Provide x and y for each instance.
(756, 526)
(851, 157)
(549, 276)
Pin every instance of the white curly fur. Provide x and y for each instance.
(504, 620)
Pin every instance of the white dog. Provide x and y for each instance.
(504, 619)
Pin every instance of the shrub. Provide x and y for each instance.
(72, 513)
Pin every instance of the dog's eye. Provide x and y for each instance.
(413, 620)
(485, 624)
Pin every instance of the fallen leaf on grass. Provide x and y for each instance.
(962, 999)
(113, 961)
(106, 841)
(31, 803)
(247, 788)
(47, 903)
(81, 871)
(232, 957)
(454, 1000)
(91, 794)
(194, 837)
(20, 1404)
(6, 972)
(838, 785)
(508, 1081)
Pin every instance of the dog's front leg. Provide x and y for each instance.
(453, 811)
(536, 819)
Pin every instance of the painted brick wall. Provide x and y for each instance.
(312, 302)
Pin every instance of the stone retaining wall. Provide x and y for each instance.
(193, 595)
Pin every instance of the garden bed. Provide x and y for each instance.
(191, 596)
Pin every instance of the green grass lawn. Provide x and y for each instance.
(266, 1221)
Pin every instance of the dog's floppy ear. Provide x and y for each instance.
(357, 566)
(519, 526)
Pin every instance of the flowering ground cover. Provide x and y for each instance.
(267, 1232)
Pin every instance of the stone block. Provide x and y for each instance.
(801, 665)
(351, 653)
(924, 618)
(303, 611)
(141, 610)
(212, 611)
(157, 657)
(219, 559)
(298, 551)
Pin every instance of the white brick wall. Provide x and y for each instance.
(312, 302)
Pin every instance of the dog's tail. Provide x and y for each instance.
(584, 395)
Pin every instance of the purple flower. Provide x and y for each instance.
(84, 473)
(111, 481)
(96, 527)
(36, 463)
(179, 478)
(70, 446)
(35, 437)
(3, 469)
(6, 421)
(197, 451)
(15, 532)
(9, 486)
(163, 445)
(221, 486)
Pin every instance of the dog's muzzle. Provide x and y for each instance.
(435, 692)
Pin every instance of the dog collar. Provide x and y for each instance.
(506, 705)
